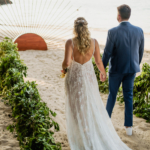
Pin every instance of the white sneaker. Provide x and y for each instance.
(128, 130)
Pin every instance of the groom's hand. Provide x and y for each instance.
(102, 77)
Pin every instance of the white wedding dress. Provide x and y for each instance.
(88, 124)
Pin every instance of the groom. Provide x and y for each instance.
(124, 50)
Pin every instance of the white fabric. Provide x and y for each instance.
(124, 21)
(88, 124)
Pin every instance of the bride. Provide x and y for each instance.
(88, 124)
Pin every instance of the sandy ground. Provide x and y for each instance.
(44, 68)
(8, 140)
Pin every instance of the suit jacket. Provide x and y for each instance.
(124, 49)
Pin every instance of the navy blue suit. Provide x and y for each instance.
(124, 51)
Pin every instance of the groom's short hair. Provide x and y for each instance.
(124, 11)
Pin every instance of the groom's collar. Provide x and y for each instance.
(124, 23)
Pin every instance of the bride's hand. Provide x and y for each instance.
(63, 71)
(102, 77)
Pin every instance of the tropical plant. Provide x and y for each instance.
(8, 47)
(5, 2)
(12, 71)
(103, 86)
(141, 98)
(33, 120)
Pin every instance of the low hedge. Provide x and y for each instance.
(33, 120)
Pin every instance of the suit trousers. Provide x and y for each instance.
(127, 80)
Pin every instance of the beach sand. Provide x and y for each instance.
(8, 141)
(44, 68)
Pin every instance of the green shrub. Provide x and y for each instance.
(12, 71)
(8, 47)
(141, 99)
(33, 120)
(103, 86)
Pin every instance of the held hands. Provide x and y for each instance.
(103, 77)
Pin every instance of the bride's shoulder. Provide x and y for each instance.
(68, 42)
(95, 40)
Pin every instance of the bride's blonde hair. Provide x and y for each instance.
(82, 35)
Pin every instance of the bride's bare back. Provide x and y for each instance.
(82, 59)
(71, 51)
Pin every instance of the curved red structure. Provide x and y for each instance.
(30, 41)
